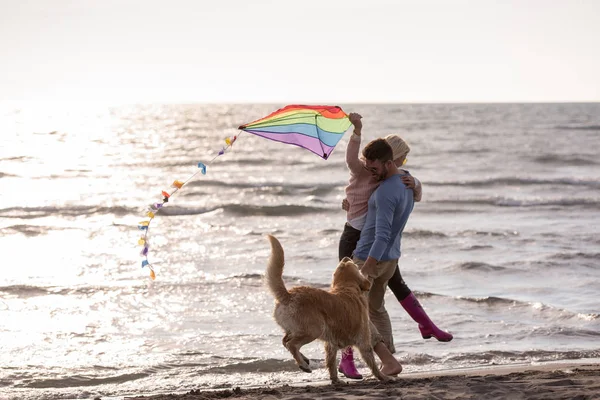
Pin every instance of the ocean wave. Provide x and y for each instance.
(290, 281)
(510, 202)
(477, 247)
(67, 211)
(507, 357)
(562, 263)
(274, 232)
(559, 159)
(257, 366)
(246, 276)
(501, 357)
(271, 365)
(419, 359)
(23, 291)
(579, 127)
(469, 232)
(191, 163)
(563, 331)
(279, 188)
(518, 182)
(554, 313)
(575, 256)
(17, 158)
(265, 368)
(327, 232)
(272, 163)
(423, 234)
(248, 210)
(26, 291)
(78, 211)
(27, 230)
(5, 175)
(244, 279)
(80, 380)
(477, 266)
(491, 300)
(589, 317)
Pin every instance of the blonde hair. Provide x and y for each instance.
(398, 145)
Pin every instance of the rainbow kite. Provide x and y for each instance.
(315, 128)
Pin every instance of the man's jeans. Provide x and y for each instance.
(377, 312)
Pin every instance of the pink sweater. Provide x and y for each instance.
(362, 184)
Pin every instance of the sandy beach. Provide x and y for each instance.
(548, 381)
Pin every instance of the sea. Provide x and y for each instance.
(503, 251)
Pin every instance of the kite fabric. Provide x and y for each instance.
(315, 128)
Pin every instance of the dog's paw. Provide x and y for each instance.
(305, 369)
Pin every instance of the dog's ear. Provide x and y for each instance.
(365, 285)
(346, 259)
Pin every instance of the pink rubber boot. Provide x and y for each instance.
(347, 366)
(426, 326)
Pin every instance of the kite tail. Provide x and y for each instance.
(155, 208)
(274, 273)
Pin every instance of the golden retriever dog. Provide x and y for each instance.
(339, 317)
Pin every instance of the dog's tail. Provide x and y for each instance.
(274, 273)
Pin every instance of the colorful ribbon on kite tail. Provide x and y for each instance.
(155, 208)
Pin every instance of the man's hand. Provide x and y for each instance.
(409, 181)
(369, 268)
(345, 205)
(355, 119)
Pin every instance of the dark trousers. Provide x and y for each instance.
(348, 242)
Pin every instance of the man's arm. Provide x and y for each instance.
(384, 215)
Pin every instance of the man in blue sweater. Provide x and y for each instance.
(378, 249)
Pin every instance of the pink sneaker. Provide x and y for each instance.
(347, 366)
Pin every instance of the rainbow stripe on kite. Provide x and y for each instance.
(315, 128)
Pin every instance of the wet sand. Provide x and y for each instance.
(548, 381)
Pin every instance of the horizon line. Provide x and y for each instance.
(53, 104)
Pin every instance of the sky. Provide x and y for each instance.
(314, 51)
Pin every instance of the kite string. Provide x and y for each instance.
(155, 208)
(206, 164)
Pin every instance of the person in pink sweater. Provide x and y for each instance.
(358, 191)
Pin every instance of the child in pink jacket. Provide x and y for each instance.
(358, 191)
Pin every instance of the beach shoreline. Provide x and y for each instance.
(556, 380)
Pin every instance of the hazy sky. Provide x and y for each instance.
(313, 51)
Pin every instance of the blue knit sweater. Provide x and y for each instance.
(389, 208)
